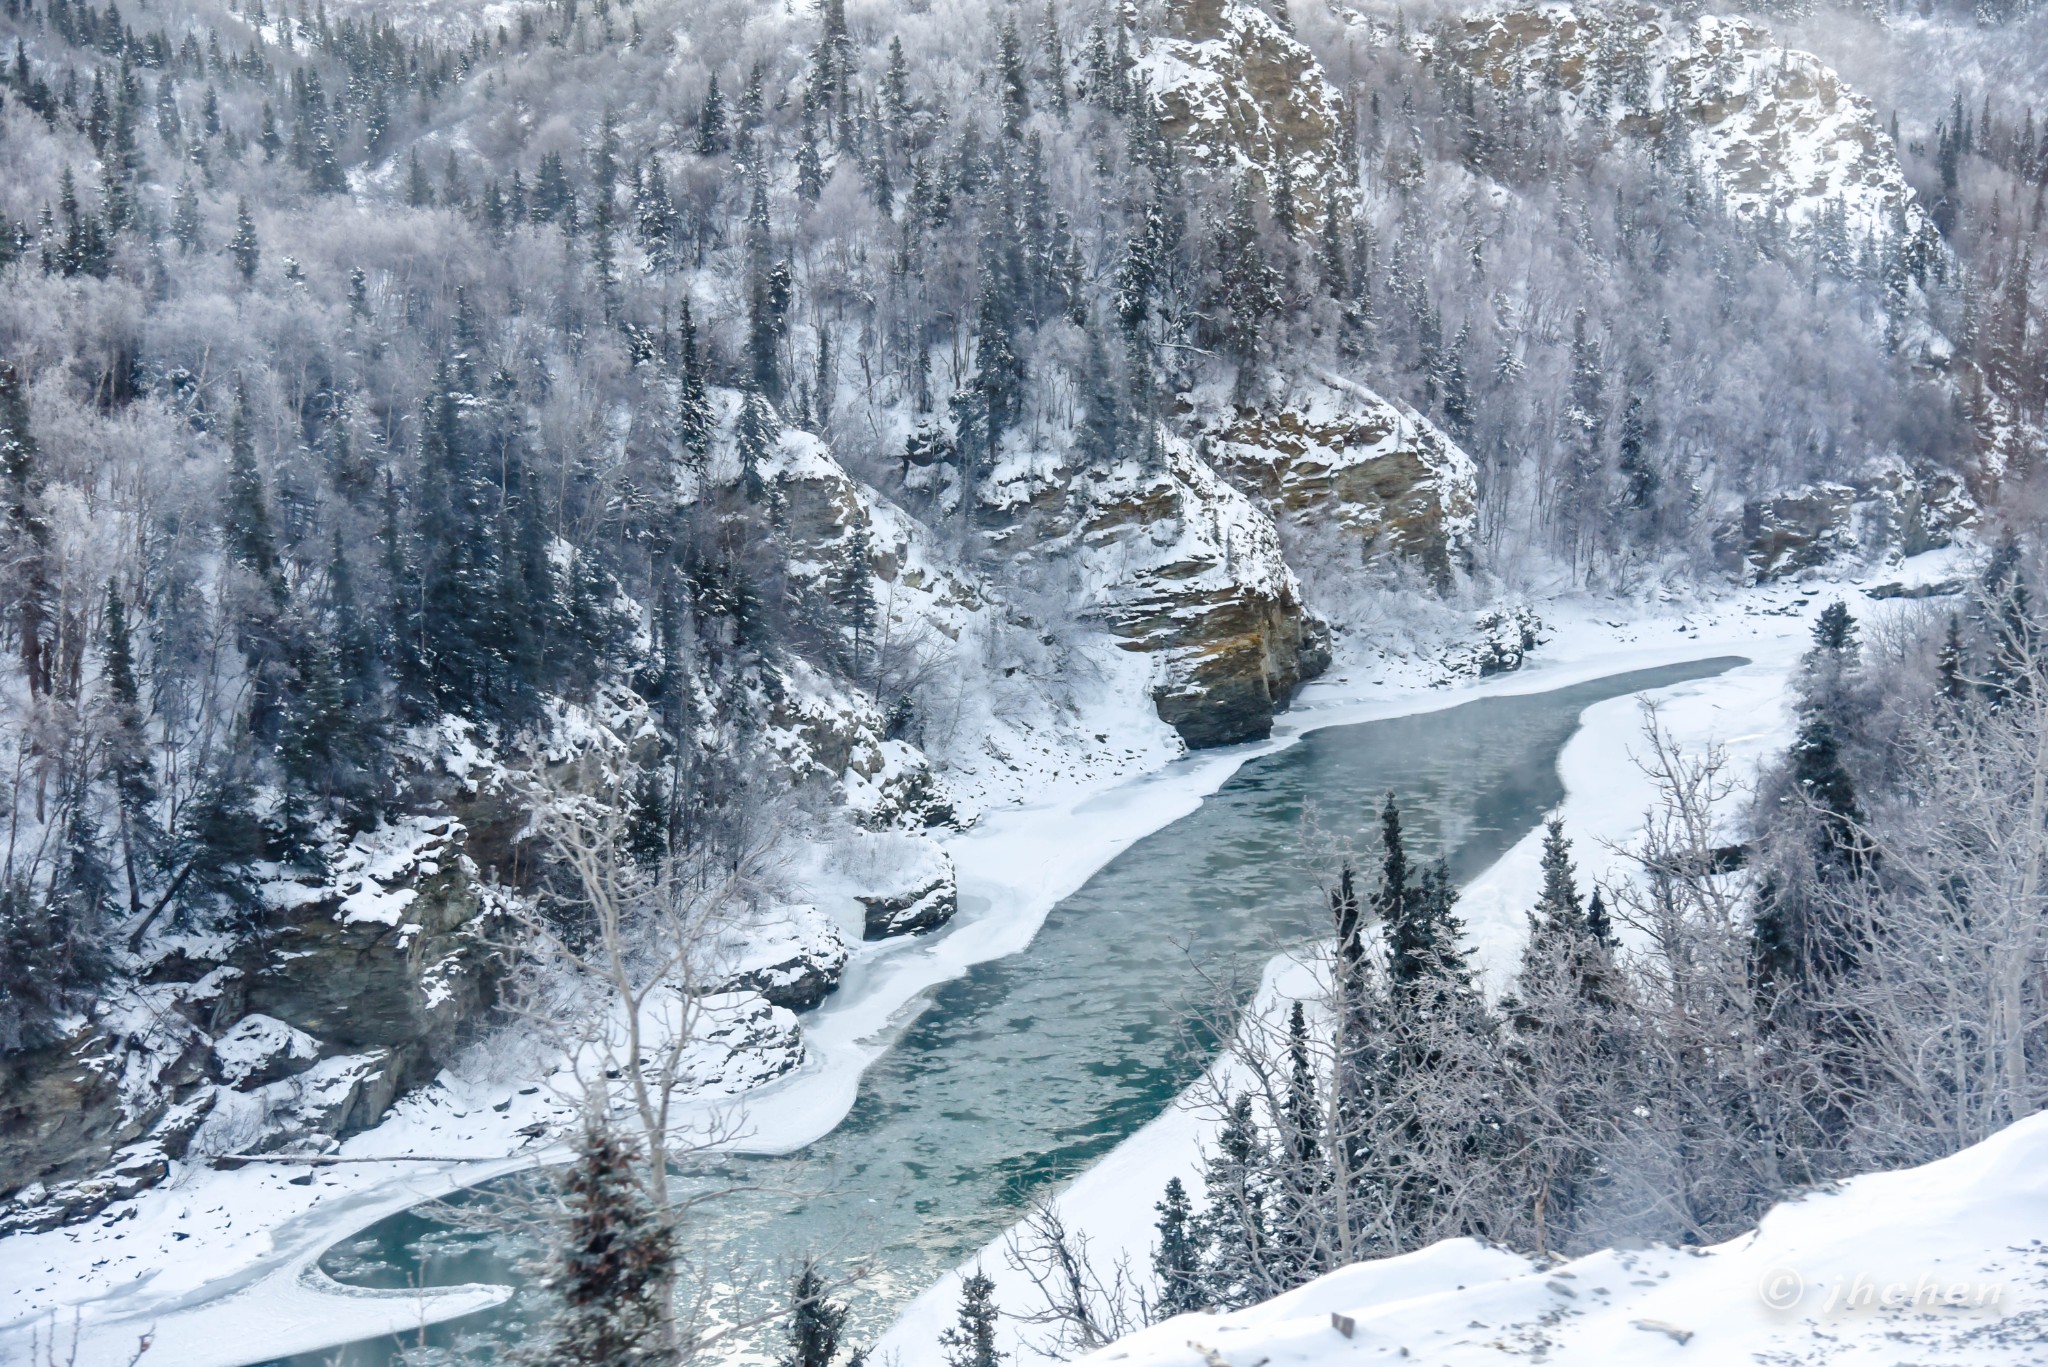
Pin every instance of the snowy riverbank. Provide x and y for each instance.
(220, 1264)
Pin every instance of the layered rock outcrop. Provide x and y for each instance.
(1236, 91)
(1896, 509)
(1333, 454)
(1205, 587)
(1776, 131)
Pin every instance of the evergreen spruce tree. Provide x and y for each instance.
(244, 247)
(1177, 1259)
(693, 403)
(185, 217)
(1456, 388)
(712, 134)
(971, 1342)
(615, 1270)
(1055, 61)
(812, 1331)
(1301, 1177)
(648, 819)
(1818, 770)
(1334, 274)
(25, 573)
(1949, 664)
(128, 763)
(654, 216)
(753, 435)
(1235, 1224)
(769, 294)
(1395, 902)
(246, 516)
(1632, 457)
(1099, 438)
(1587, 423)
(552, 200)
(324, 169)
(1249, 289)
(853, 595)
(1558, 908)
(1790, 944)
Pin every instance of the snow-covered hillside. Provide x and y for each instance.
(1942, 1264)
(1776, 131)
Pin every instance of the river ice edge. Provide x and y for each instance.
(217, 1296)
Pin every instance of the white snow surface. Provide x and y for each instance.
(217, 1259)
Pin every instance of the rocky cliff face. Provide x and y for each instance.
(1777, 132)
(1203, 585)
(1234, 89)
(1897, 510)
(1333, 454)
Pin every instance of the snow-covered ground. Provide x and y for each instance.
(1745, 711)
(219, 1264)
(1942, 1264)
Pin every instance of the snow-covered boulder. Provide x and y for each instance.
(742, 1041)
(307, 1112)
(910, 889)
(258, 1050)
(791, 955)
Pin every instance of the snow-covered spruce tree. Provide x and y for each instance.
(1568, 1073)
(1814, 836)
(1177, 1256)
(971, 1341)
(811, 1333)
(614, 1277)
(1235, 1227)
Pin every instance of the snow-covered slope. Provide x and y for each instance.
(1938, 1264)
(1775, 131)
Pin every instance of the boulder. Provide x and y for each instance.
(791, 955)
(308, 1111)
(742, 1041)
(258, 1050)
(907, 887)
